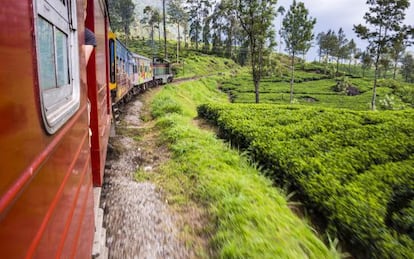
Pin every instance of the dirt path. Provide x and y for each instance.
(138, 220)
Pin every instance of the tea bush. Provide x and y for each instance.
(349, 165)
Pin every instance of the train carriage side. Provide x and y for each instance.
(46, 198)
(144, 72)
(135, 73)
(123, 70)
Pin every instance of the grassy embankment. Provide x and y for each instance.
(249, 218)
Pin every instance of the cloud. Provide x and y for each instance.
(335, 14)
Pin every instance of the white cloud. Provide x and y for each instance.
(335, 14)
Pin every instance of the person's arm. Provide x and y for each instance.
(88, 52)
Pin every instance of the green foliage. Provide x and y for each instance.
(165, 105)
(342, 85)
(385, 19)
(297, 30)
(122, 15)
(249, 217)
(197, 11)
(349, 165)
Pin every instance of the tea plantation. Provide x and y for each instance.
(313, 87)
(355, 168)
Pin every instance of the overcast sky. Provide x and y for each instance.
(333, 14)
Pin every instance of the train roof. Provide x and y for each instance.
(159, 60)
(135, 55)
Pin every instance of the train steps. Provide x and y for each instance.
(99, 249)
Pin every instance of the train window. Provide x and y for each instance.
(112, 60)
(57, 61)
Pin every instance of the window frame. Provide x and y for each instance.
(60, 103)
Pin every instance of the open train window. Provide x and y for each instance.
(57, 61)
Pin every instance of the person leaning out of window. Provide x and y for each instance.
(90, 40)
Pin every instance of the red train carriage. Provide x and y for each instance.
(46, 198)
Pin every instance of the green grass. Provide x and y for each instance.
(198, 64)
(315, 89)
(249, 217)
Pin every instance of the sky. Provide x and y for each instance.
(334, 14)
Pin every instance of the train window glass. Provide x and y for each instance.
(57, 61)
(112, 60)
(47, 77)
(62, 65)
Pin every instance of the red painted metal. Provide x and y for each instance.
(46, 201)
(98, 89)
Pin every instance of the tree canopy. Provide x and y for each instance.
(121, 15)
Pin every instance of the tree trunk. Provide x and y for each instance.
(165, 30)
(256, 89)
(395, 68)
(374, 90)
(152, 41)
(337, 67)
(255, 71)
(196, 38)
(159, 40)
(178, 43)
(292, 77)
(179, 37)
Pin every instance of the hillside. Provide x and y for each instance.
(314, 87)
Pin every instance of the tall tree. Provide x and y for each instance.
(206, 35)
(165, 29)
(256, 19)
(198, 11)
(352, 52)
(328, 43)
(226, 29)
(320, 40)
(398, 46)
(407, 67)
(297, 33)
(280, 10)
(341, 49)
(385, 18)
(151, 19)
(122, 16)
(177, 16)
